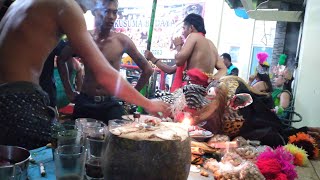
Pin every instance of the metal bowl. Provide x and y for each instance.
(14, 162)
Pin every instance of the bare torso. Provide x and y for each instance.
(203, 56)
(112, 48)
(23, 30)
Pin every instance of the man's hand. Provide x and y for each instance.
(178, 41)
(149, 56)
(158, 106)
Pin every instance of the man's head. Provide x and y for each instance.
(110, 14)
(193, 23)
(226, 59)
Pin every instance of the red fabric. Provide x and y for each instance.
(177, 82)
(162, 81)
(198, 77)
(281, 176)
(67, 110)
(270, 168)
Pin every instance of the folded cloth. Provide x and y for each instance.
(67, 110)
(41, 155)
(196, 76)
(177, 82)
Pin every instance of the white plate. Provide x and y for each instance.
(201, 138)
(198, 137)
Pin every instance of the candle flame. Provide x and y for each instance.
(186, 121)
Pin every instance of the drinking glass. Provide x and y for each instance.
(95, 143)
(69, 162)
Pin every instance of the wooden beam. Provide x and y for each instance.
(275, 15)
(247, 4)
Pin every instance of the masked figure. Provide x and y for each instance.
(230, 106)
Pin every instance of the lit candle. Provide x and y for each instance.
(186, 121)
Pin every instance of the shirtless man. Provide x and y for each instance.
(28, 33)
(94, 101)
(197, 52)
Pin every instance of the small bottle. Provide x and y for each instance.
(136, 116)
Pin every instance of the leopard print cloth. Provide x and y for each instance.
(232, 120)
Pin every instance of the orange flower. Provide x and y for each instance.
(301, 137)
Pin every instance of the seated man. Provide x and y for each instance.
(93, 101)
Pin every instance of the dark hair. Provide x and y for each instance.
(226, 56)
(195, 20)
(265, 78)
(287, 85)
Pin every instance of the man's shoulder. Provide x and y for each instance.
(120, 36)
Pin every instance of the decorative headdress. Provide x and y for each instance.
(299, 154)
(264, 65)
(281, 69)
(306, 142)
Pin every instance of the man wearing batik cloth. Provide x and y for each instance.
(282, 95)
(197, 54)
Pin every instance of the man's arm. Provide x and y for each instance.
(220, 66)
(65, 55)
(139, 59)
(71, 21)
(80, 73)
(285, 100)
(164, 67)
(186, 50)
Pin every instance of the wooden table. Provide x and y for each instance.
(310, 172)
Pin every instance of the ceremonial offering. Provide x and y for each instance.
(160, 153)
(247, 152)
(142, 118)
(232, 158)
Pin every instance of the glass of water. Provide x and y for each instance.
(69, 162)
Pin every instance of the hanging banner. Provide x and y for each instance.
(134, 20)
